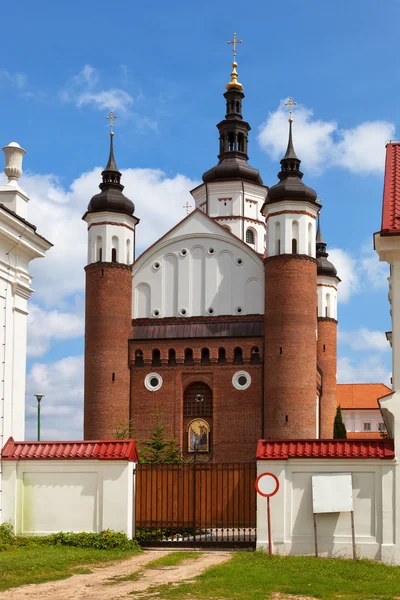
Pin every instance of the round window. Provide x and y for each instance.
(239, 261)
(183, 312)
(156, 265)
(183, 252)
(241, 380)
(153, 382)
(211, 250)
(239, 310)
(156, 312)
(210, 310)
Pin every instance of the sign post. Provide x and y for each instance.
(267, 485)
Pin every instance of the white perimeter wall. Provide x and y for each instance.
(46, 496)
(292, 515)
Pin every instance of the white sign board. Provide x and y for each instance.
(332, 492)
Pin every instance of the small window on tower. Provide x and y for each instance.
(294, 246)
(221, 356)
(114, 255)
(238, 357)
(255, 356)
(171, 357)
(156, 358)
(139, 358)
(188, 356)
(249, 236)
(205, 357)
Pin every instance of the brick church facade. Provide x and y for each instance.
(227, 324)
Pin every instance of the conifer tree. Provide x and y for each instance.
(158, 448)
(339, 429)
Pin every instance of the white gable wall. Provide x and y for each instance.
(198, 269)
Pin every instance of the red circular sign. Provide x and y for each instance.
(267, 484)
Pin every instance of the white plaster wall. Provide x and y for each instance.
(207, 277)
(326, 286)
(108, 227)
(354, 419)
(292, 516)
(47, 496)
(236, 204)
(286, 218)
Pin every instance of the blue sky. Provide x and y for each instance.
(162, 67)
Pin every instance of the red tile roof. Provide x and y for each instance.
(282, 450)
(391, 190)
(363, 435)
(96, 449)
(360, 395)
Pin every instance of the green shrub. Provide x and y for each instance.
(6, 536)
(105, 540)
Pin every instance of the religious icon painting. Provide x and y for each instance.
(198, 436)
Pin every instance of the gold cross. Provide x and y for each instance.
(111, 116)
(187, 206)
(235, 42)
(290, 103)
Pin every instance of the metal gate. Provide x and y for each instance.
(197, 504)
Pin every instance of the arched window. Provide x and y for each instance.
(328, 306)
(238, 356)
(238, 107)
(310, 240)
(188, 356)
(114, 250)
(171, 357)
(197, 400)
(156, 358)
(255, 356)
(295, 237)
(221, 356)
(205, 357)
(249, 236)
(128, 252)
(99, 248)
(240, 142)
(231, 142)
(139, 358)
(277, 238)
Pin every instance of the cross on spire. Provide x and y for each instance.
(111, 117)
(187, 206)
(290, 103)
(235, 42)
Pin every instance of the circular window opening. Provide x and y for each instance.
(239, 261)
(210, 311)
(239, 309)
(153, 382)
(184, 252)
(211, 250)
(156, 312)
(183, 312)
(241, 380)
(156, 266)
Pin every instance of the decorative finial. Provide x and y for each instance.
(187, 206)
(234, 83)
(111, 117)
(14, 155)
(290, 103)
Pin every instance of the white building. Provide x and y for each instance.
(19, 244)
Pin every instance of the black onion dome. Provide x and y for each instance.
(233, 142)
(324, 266)
(111, 197)
(290, 186)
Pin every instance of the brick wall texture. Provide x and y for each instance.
(290, 350)
(327, 361)
(108, 318)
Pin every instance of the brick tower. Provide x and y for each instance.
(327, 281)
(108, 311)
(291, 405)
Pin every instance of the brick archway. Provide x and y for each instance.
(198, 400)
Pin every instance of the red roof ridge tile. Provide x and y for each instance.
(71, 450)
(348, 448)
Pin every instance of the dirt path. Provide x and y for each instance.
(94, 586)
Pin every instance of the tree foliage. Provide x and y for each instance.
(339, 429)
(159, 447)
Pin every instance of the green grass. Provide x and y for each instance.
(172, 559)
(119, 578)
(37, 564)
(256, 576)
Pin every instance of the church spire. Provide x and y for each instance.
(324, 266)
(233, 136)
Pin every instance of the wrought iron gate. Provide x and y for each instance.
(197, 504)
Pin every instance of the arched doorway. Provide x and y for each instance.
(197, 411)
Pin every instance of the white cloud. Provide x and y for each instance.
(347, 270)
(85, 89)
(44, 327)
(367, 370)
(61, 382)
(18, 80)
(322, 144)
(376, 272)
(364, 339)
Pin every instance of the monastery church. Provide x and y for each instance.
(227, 324)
